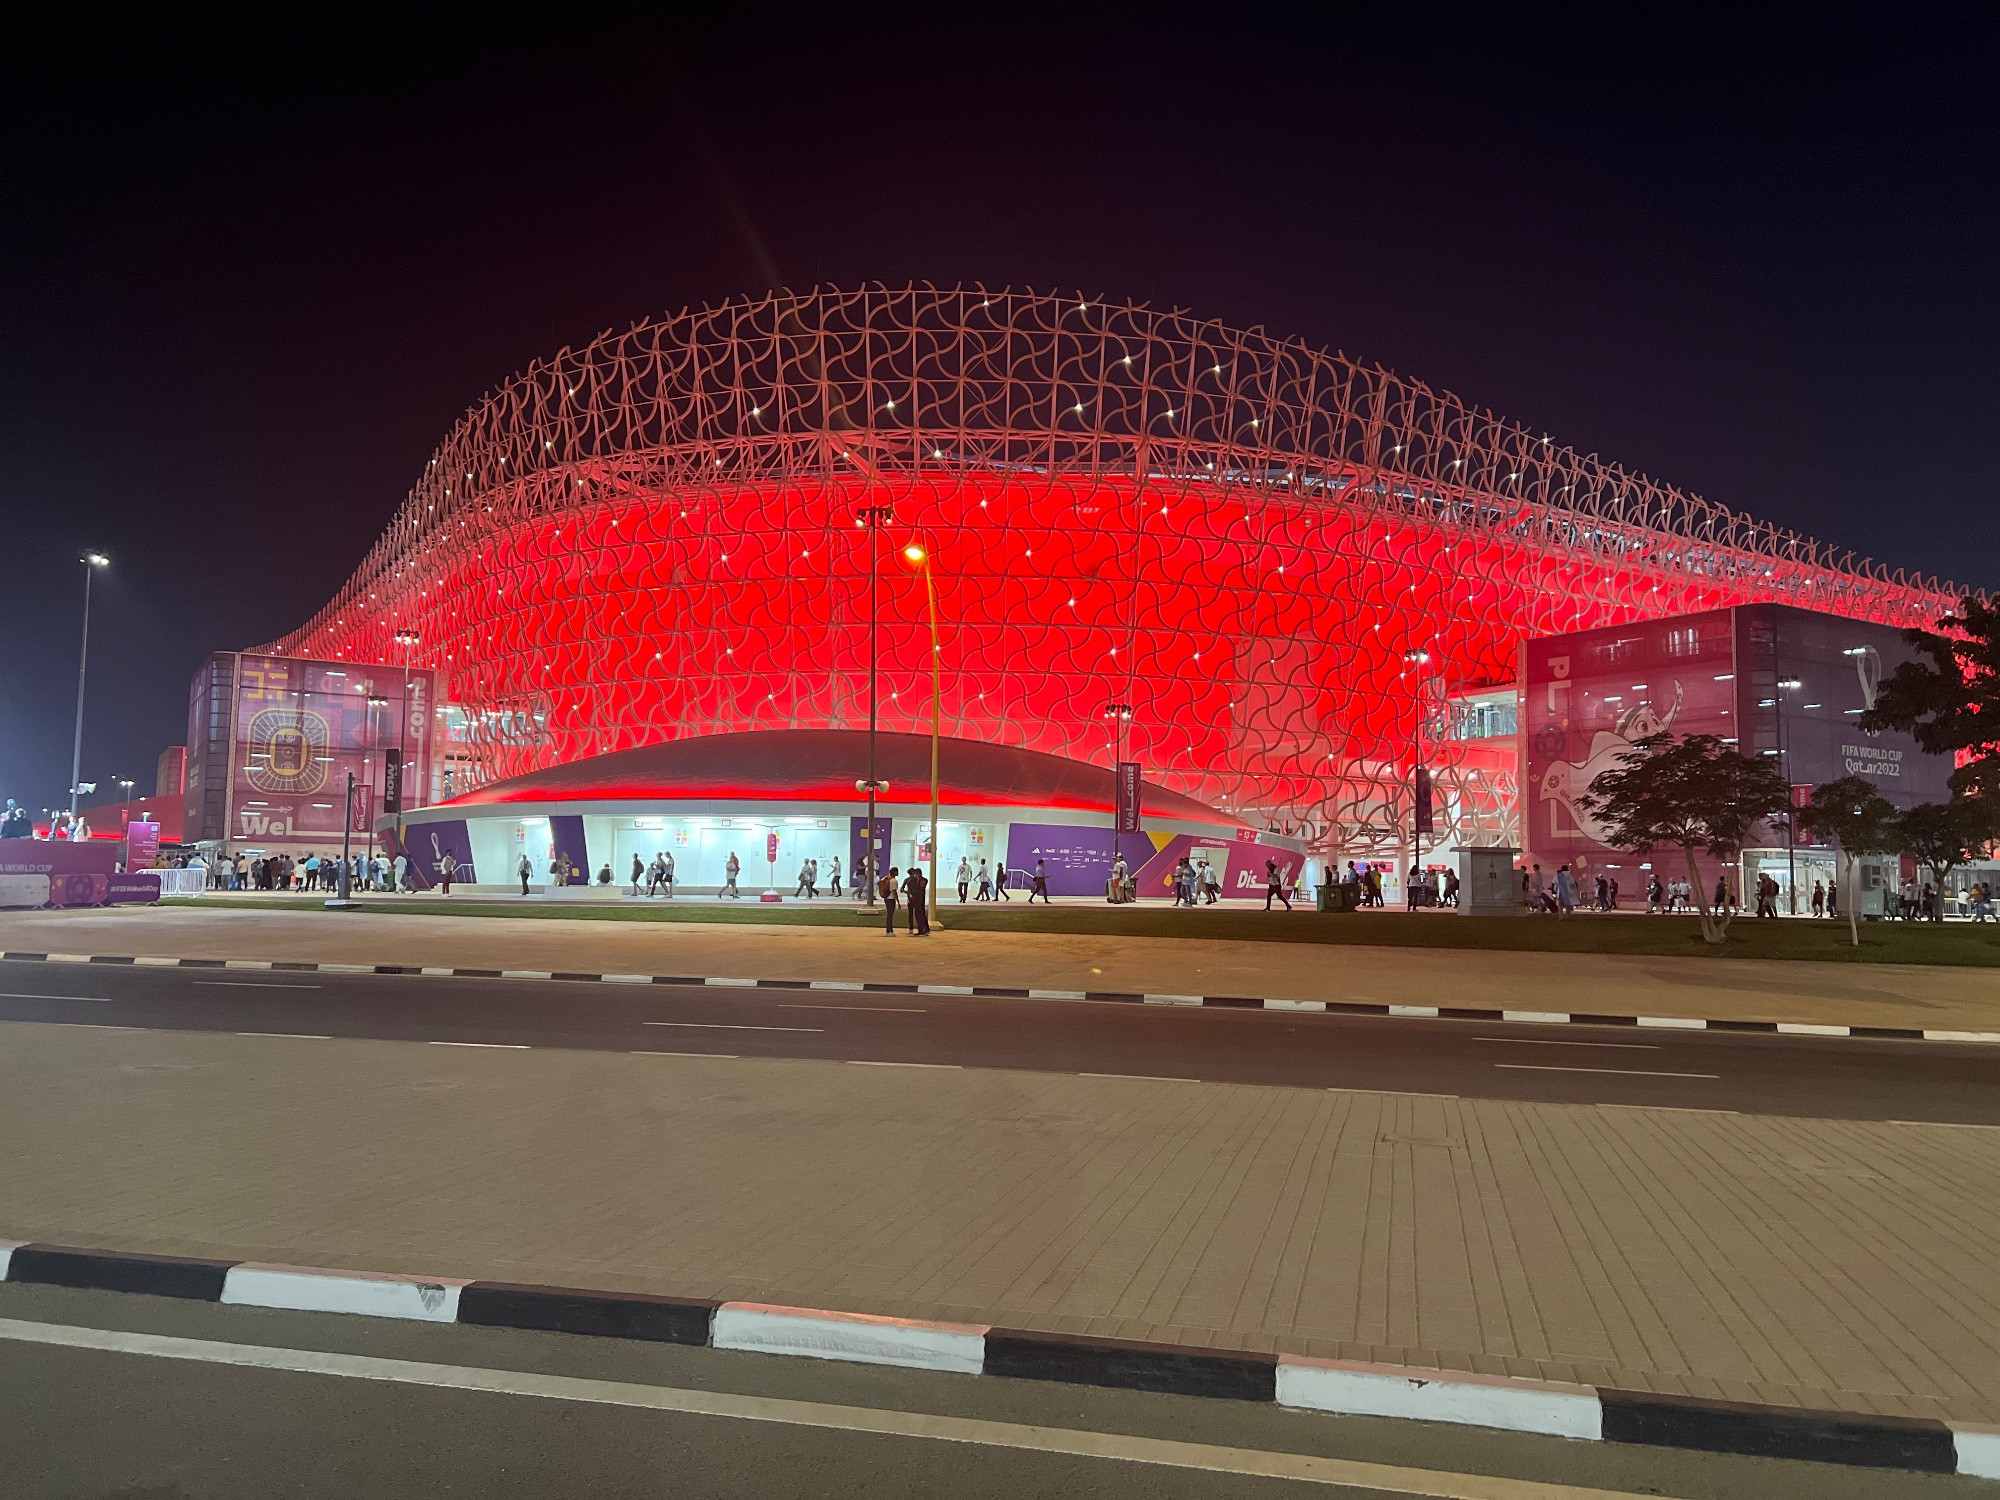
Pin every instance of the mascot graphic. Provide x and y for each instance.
(1566, 780)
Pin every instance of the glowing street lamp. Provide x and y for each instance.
(91, 561)
(921, 559)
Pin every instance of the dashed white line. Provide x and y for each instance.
(30, 995)
(1140, 1077)
(254, 984)
(309, 1036)
(643, 1053)
(498, 1046)
(1543, 1041)
(729, 1026)
(869, 1062)
(884, 1010)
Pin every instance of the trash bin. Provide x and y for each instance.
(1341, 897)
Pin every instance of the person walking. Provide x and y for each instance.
(1819, 898)
(964, 878)
(1274, 886)
(886, 889)
(732, 869)
(447, 867)
(1210, 883)
(805, 877)
(1114, 890)
(812, 879)
(1000, 878)
(916, 891)
(985, 883)
(638, 873)
(1041, 886)
(833, 883)
(669, 858)
(1565, 893)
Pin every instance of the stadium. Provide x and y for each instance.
(1277, 578)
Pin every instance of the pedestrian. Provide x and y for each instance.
(1721, 893)
(1000, 878)
(1603, 893)
(604, 874)
(1451, 889)
(1613, 892)
(1114, 888)
(805, 877)
(833, 883)
(670, 874)
(1538, 897)
(1410, 884)
(1211, 883)
(812, 879)
(1041, 886)
(964, 878)
(731, 869)
(638, 873)
(447, 867)
(526, 871)
(886, 889)
(1565, 892)
(1274, 886)
(1819, 898)
(985, 883)
(916, 890)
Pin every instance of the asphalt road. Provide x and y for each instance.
(1837, 1078)
(78, 1423)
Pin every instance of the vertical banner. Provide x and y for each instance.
(1128, 796)
(142, 845)
(1424, 799)
(357, 807)
(392, 780)
(1802, 831)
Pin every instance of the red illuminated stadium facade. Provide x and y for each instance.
(1300, 571)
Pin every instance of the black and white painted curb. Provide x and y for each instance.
(1125, 997)
(1570, 1411)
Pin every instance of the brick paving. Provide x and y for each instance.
(1811, 1262)
(1898, 995)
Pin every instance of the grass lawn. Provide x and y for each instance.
(1957, 943)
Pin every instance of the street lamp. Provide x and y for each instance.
(1788, 685)
(91, 561)
(1419, 659)
(874, 517)
(406, 638)
(921, 558)
(1120, 715)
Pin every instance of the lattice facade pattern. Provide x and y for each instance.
(1243, 538)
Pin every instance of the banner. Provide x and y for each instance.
(1128, 796)
(1423, 800)
(142, 845)
(392, 780)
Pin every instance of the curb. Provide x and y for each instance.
(1116, 997)
(1579, 1412)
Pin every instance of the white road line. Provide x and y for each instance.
(643, 1053)
(1389, 1093)
(1140, 1077)
(299, 1036)
(886, 1010)
(729, 1026)
(30, 995)
(867, 1062)
(1542, 1041)
(1431, 1484)
(499, 1046)
(254, 984)
(1626, 1072)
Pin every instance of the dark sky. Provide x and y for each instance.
(248, 281)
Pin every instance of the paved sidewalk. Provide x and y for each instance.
(1817, 1263)
(1898, 995)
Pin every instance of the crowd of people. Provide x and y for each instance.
(308, 872)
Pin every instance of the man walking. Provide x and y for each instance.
(1274, 885)
(916, 890)
(886, 889)
(447, 867)
(1000, 878)
(732, 869)
(526, 872)
(833, 888)
(1041, 886)
(964, 879)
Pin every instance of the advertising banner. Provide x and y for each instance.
(141, 889)
(392, 781)
(57, 857)
(1423, 789)
(300, 727)
(427, 846)
(1078, 859)
(142, 845)
(1128, 796)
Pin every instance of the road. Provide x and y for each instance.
(1831, 1078)
(399, 1410)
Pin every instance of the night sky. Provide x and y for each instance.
(248, 281)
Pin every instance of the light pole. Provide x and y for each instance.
(1120, 715)
(1419, 659)
(1787, 685)
(922, 559)
(873, 517)
(344, 884)
(91, 561)
(406, 638)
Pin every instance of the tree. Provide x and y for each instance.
(1698, 794)
(1943, 835)
(1860, 820)
(1952, 705)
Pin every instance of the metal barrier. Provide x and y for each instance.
(181, 882)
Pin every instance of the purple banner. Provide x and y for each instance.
(1078, 860)
(430, 842)
(57, 857)
(566, 834)
(142, 845)
(141, 889)
(1128, 796)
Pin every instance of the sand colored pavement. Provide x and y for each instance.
(1808, 1262)
(1900, 995)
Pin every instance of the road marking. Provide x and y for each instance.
(254, 984)
(30, 995)
(1388, 1093)
(1140, 1077)
(730, 1055)
(730, 1026)
(1625, 1072)
(301, 1036)
(869, 1062)
(1431, 1484)
(886, 1010)
(500, 1046)
(1539, 1041)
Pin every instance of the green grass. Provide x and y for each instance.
(1958, 944)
